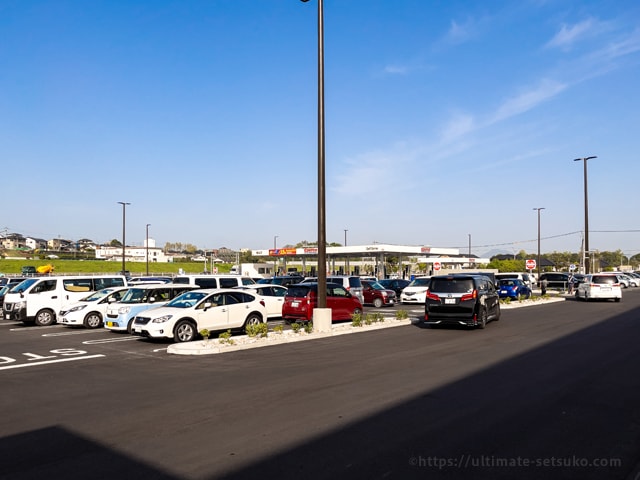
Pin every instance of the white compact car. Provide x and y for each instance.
(90, 311)
(600, 285)
(273, 296)
(416, 291)
(188, 314)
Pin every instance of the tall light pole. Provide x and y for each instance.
(538, 209)
(346, 263)
(322, 232)
(124, 243)
(586, 212)
(275, 260)
(469, 248)
(147, 247)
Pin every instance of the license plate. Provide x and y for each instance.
(295, 304)
(111, 324)
(449, 300)
(606, 289)
(7, 316)
(503, 292)
(137, 330)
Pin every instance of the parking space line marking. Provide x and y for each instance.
(109, 340)
(51, 361)
(61, 334)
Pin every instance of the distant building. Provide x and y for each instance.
(134, 254)
(36, 243)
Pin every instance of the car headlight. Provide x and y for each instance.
(20, 305)
(384, 294)
(76, 308)
(122, 310)
(164, 318)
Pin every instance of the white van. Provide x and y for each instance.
(37, 299)
(214, 281)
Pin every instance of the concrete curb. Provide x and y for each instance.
(243, 342)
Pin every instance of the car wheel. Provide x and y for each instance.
(45, 317)
(93, 320)
(252, 319)
(130, 325)
(377, 302)
(482, 323)
(357, 311)
(184, 331)
(498, 312)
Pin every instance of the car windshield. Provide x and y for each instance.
(452, 285)
(376, 286)
(603, 279)
(22, 286)
(508, 283)
(137, 295)
(99, 295)
(420, 282)
(187, 299)
(298, 291)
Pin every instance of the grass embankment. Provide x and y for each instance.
(62, 267)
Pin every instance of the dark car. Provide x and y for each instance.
(302, 298)
(469, 300)
(513, 288)
(555, 280)
(376, 295)
(395, 284)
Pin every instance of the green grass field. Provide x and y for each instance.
(62, 267)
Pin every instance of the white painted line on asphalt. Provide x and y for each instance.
(62, 334)
(109, 340)
(159, 349)
(51, 361)
(32, 329)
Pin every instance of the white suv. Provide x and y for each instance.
(600, 285)
(213, 309)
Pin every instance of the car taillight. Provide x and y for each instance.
(469, 296)
(432, 296)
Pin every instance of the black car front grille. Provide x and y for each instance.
(142, 320)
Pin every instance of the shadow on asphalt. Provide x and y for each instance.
(541, 414)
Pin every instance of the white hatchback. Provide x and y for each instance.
(90, 311)
(213, 309)
(600, 285)
(416, 291)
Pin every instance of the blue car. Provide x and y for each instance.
(513, 288)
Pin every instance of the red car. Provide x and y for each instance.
(302, 298)
(376, 295)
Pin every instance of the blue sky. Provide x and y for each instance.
(443, 119)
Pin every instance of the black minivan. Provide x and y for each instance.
(461, 299)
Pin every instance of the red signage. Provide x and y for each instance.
(278, 252)
(436, 266)
(530, 264)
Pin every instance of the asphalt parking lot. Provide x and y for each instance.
(555, 383)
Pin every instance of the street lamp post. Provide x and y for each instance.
(124, 206)
(346, 263)
(538, 209)
(275, 260)
(586, 212)
(322, 233)
(147, 247)
(469, 249)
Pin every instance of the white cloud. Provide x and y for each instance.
(527, 100)
(458, 126)
(569, 34)
(396, 69)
